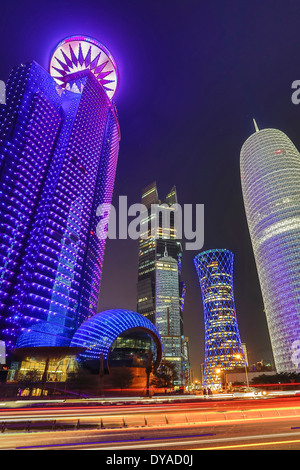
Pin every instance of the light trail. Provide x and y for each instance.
(244, 446)
(206, 417)
(124, 441)
(177, 441)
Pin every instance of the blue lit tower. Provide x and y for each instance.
(270, 173)
(223, 347)
(58, 154)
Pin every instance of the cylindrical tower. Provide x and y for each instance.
(270, 174)
(223, 347)
(59, 158)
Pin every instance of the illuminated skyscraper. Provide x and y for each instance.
(160, 288)
(223, 347)
(168, 315)
(58, 154)
(270, 173)
(152, 246)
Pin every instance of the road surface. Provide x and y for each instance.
(187, 426)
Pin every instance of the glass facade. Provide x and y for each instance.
(51, 366)
(58, 155)
(131, 349)
(223, 347)
(168, 317)
(153, 245)
(270, 175)
(160, 287)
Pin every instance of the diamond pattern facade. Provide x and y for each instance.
(223, 348)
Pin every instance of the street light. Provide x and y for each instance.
(219, 371)
(239, 356)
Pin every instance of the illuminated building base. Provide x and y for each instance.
(45, 364)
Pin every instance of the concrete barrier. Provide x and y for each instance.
(134, 420)
(176, 418)
(233, 415)
(253, 414)
(194, 417)
(155, 419)
(270, 413)
(65, 423)
(216, 416)
(109, 422)
(42, 425)
(88, 422)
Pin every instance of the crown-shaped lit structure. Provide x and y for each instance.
(75, 55)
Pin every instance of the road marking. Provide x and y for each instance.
(184, 443)
(152, 439)
(257, 444)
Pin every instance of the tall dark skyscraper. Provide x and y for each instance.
(154, 245)
(58, 155)
(160, 288)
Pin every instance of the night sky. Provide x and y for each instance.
(193, 74)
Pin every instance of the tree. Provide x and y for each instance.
(83, 381)
(121, 377)
(165, 375)
(148, 370)
(32, 375)
(280, 378)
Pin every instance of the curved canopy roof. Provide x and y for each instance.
(98, 333)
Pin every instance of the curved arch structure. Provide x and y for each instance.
(98, 333)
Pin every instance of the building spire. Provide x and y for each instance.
(255, 125)
(166, 251)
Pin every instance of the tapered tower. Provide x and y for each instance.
(223, 347)
(270, 176)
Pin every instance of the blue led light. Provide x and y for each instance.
(223, 348)
(98, 333)
(58, 152)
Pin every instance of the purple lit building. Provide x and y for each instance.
(59, 142)
(270, 177)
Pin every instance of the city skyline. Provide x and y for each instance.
(190, 142)
(149, 227)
